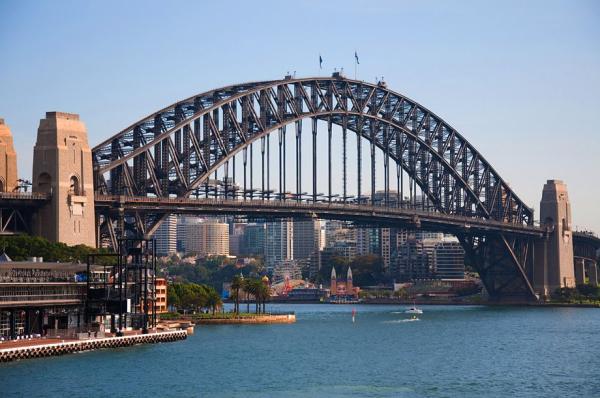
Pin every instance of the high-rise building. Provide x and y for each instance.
(236, 238)
(307, 241)
(279, 242)
(449, 260)
(254, 240)
(415, 260)
(339, 231)
(204, 237)
(427, 255)
(306, 238)
(364, 239)
(216, 238)
(323, 237)
(340, 248)
(166, 236)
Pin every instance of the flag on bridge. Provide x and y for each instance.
(320, 62)
(356, 58)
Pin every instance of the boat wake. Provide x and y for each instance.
(403, 320)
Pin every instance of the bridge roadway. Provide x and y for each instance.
(23, 199)
(273, 209)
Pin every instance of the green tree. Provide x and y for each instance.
(236, 285)
(172, 297)
(263, 294)
(213, 300)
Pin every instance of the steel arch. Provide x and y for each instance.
(441, 157)
(175, 150)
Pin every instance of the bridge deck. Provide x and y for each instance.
(23, 199)
(363, 213)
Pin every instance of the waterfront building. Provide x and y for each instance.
(39, 298)
(342, 289)
(415, 260)
(166, 236)
(279, 242)
(160, 288)
(449, 260)
(428, 255)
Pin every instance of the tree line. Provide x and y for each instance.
(192, 296)
(21, 247)
(249, 288)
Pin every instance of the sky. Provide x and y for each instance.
(520, 80)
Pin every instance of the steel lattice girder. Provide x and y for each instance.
(220, 123)
(175, 150)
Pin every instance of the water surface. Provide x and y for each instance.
(450, 352)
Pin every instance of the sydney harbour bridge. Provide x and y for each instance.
(327, 148)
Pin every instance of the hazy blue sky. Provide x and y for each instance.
(519, 79)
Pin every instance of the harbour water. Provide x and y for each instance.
(451, 351)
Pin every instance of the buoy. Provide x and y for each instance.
(353, 315)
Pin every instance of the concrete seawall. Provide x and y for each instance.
(288, 318)
(54, 349)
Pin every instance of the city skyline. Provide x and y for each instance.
(546, 58)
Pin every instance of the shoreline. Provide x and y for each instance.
(40, 349)
(455, 303)
(232, 319)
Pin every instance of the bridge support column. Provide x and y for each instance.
(592, 272)
(554, 256)
(579, 271)
(8, 160)
(62, 167)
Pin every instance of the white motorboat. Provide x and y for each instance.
(413, 310)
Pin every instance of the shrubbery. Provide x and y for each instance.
(21, 247)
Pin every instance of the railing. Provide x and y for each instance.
(41, 297)
(82, 332)
(585, 232)
(25, 195)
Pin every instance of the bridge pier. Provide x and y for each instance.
(579, 271)
(592, 272)
(62, 167)
(553, 267)
(8, 160)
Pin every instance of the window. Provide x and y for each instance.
(74, 186)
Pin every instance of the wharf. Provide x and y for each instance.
(52, 347)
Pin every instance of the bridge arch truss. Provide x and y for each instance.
(176, 151)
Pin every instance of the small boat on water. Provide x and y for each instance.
(413, 310)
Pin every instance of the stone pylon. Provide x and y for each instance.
(8, 160)
(62, 167)
(554, 266)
